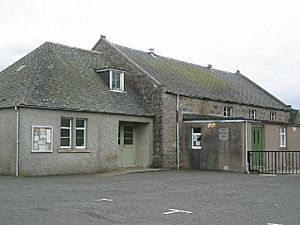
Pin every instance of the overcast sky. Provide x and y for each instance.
(261, 38)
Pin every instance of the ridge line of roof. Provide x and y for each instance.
(129, 59)
(177, 60)
(71, 47)
(213, 70)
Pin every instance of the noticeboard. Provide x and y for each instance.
(42, 139)
(223, 134)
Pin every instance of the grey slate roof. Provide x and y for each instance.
(201, 82)
(60, 77)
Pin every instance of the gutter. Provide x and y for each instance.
(177, 132)
(17, 139)
(246, 148)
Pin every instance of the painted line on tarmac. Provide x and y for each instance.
(273, 224)
(103, 200)
(171, 211)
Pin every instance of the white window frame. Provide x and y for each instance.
(51, 139)
(228, 111)
(195, 134)
(273, 116)
(252, 113)
(121, 89)
(84, 134)
(282, 137)
(66, 128)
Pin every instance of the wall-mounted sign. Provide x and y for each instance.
(42, 139)
(223, 134)
(211, 125)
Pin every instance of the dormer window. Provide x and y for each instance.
(116, 80)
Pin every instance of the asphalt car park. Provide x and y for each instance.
(168, 197)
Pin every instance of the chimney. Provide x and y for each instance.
(237, 71)
(103, 36)
(151, 51)
(209, 66)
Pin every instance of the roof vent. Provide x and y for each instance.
(237, 71)
(209, 66)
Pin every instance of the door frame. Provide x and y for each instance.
(257, 159)
(122, 146)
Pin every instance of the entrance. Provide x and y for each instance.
(126, 146)
(257, 146)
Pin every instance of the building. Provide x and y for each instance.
(67, 110)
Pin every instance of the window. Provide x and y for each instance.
(227, 111)
(80, 133)
(252, 114)
(196, 138)
(282, 136)
(65, 132)
(116, 80)
(272, 116)
(128, 135)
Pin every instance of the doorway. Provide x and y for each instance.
(257, 145)
(126, 146)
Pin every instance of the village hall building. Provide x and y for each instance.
(66, 110)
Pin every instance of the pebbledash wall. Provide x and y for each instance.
(7, 141)
(100, 153)
(272, 138)
(218, 152)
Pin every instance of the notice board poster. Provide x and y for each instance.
(42, 139)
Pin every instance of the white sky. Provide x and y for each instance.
(261, 38)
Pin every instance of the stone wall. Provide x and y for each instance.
(202, 107)
(150, 91)
(208, 107)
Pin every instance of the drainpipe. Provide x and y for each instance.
(246, 147)
(177, 131)
(17, 139)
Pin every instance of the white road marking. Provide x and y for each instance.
(103, 200)
(273, 224)
(176, 211)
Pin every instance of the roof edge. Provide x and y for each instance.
(103, 38)
(225, 101)
(264, 90)
(79, 110)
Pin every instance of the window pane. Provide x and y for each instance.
(119, 137)
(128, 135)
(128, 129)
(197, 140)
(128, 141)
(197, 130)
(79, 141)
(65, 133)
(116, 80)
(80, 123)
(65, 142)
(79, 133)
(65, 122)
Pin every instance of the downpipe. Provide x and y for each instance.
(177, 132)
(17, 139)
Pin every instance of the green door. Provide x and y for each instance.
(126, 150)
(257, 145)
